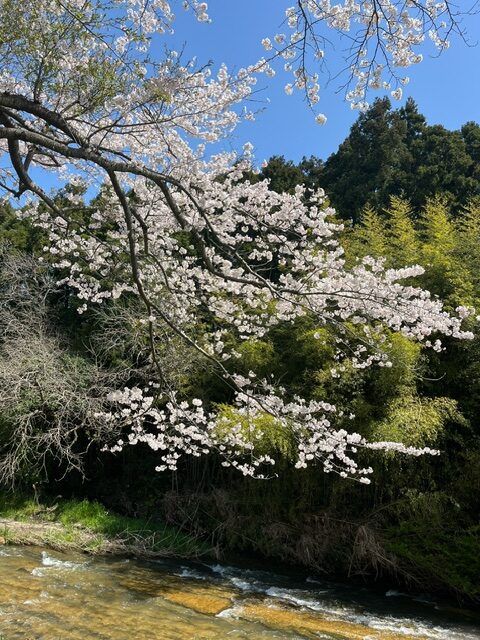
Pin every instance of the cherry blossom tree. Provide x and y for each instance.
(215, 259)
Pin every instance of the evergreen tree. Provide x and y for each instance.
(365, 167)
(401, 235)
(312, 169)
(467, 249)
(442, 166)
(18, 233)
(415, 122)
(445, 275)
(368, 238)
(438, 229)
(471, 136)
(283, 174)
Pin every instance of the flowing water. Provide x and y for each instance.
(53, 596)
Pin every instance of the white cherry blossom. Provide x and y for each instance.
(209, 254)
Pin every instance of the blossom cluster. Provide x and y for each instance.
(251, 259)
(384, 38)
(188, 428)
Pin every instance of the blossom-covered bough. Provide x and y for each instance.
(383, 38)
(214, 258)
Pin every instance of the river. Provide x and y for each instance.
(49, 595)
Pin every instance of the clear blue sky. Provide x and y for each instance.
(446, 88)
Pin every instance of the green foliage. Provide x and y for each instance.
(399, 379)
(18, 506)
(449, 559)
(430, 538)
(282, 175)
(370, 237)
(446, 275)
(445, 246)
(269, 436)
(316, 345)
(444, 166)
(438, 229)
(467, 249)
(417, 422)
(258, 356)
(370, 163)
(401, 237)
(17, 233)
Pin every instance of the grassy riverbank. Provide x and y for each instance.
(87, 526)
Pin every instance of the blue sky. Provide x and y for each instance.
(446, 88)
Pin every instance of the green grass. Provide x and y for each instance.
(95, 517)
(450, 557)
(77, 515)
(18, 506)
